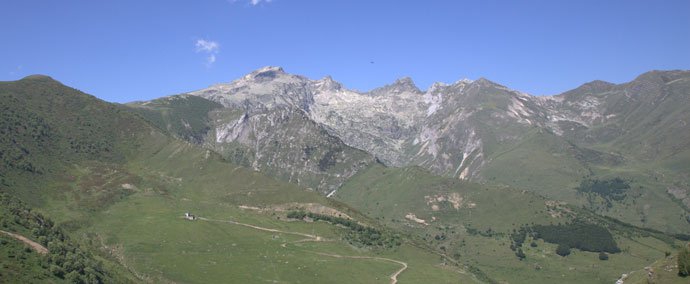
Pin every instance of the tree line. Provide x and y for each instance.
(357, 234)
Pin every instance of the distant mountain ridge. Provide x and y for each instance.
(318, 133)
(402, 125)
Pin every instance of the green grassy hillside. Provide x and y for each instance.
(65, 259)
(145, 230)
(46, 126)
(104, 188)
(480, 225)
(551, 166)
(185, 117)
(116, 189)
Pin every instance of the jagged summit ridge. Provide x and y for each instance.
(401, 85)
(385, 122)
(444, 128)
(265, 73)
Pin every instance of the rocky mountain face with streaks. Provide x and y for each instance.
(318, 133)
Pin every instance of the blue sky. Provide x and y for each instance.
(136, 50)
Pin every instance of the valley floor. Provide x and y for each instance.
(315, 238)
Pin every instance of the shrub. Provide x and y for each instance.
(563, 250)
(603, 256)
(296, 215)
(520, 254)
(684, 261)
(519, 236)
(609, 189)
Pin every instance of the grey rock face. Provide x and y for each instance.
(451, 129)
(284, 143)
(401, 125)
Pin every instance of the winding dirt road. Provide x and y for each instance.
(34, 245)
(310, 237)
(394, 276)
(261, 228)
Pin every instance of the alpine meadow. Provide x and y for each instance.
(163, 172)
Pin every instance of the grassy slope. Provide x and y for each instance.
(646, 141)
(651, 131)
(72, 258)
(147, 232)
(390, 194)
(45, 127)
(122, 189)
(182, 116)
(543, 163)
(663, 271)
(20, 265)
(550, 166)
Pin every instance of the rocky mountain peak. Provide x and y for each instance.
(267, 73)
(404, 81)
(406, 84)
(485, 83)
(595, 86)
(599, 85)
(277, 69)
(327, 83)
(436, 86)
(462, 82)
(401, 85)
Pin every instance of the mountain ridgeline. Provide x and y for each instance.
(317, 133)
(305, 181)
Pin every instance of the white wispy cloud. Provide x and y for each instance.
(207, 45)
(210, 48)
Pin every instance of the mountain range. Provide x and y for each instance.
(317, 133)
(464, 182)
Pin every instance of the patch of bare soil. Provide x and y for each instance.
(34, 245)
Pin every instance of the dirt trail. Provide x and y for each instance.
(261, 228)
(393, 277)
(36, 246)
